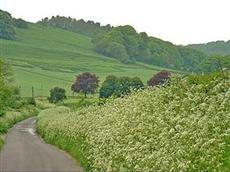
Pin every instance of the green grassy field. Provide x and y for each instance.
(44, 57)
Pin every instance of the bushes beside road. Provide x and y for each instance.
(183, 126)
(12, 117)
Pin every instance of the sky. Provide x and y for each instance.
(178, 21)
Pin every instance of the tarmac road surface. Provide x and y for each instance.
(24, 151)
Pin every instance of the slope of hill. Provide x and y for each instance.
(213, 48)
(44, 57)
(128, 46)
(125, 44)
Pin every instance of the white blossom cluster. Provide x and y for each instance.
(180, 127)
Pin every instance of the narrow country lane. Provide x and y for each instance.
(24, 151)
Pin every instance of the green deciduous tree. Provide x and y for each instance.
(5, 91)
(119, 86)
(108, 86)
(57, 94)
(215, 63)
(135, 46)
(20, 23)
(89, 28)
(6, 26)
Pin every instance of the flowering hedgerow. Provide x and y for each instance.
(179, 127)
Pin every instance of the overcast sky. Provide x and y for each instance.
(178, 21)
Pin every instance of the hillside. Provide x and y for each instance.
(213, 48)
(44, 57)
(126, 45)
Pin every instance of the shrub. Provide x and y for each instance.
(44, 104)
(7, 30)
(31, 101)
(20, 23)
(108, 86)
(75, 104)
(119, 86)
(5, 99)
(1, 142)
(57, 94)
(12, 117)
(7, 92)
(159, 78)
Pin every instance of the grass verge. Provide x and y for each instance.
(12, 117)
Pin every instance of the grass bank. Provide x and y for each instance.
(12, 117)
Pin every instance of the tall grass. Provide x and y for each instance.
(12, 117)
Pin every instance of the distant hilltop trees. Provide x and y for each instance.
(128, 46)
(88, 28)
(7, 30)
(213, 48)
(8, 24)
(20, 23)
